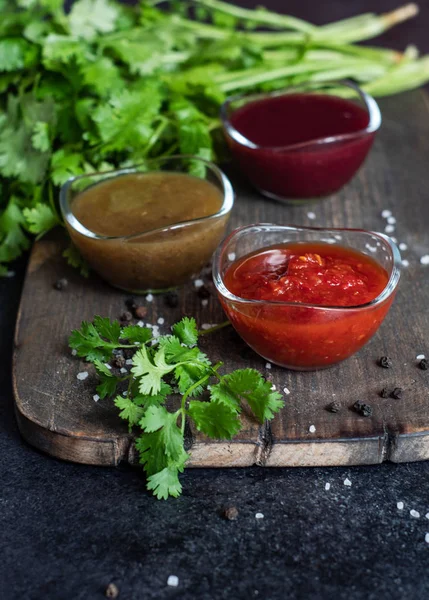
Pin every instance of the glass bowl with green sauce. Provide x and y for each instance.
(148, 227)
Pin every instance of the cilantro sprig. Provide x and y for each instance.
(161, 366)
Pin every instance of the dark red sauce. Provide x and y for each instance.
(306, 337)
(278, 124)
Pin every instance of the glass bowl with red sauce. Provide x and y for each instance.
(306, 298)
(303, 143)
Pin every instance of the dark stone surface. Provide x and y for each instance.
(66, 531)
(69, 530)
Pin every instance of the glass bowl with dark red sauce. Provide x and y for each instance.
(303, 143)
(306, 298)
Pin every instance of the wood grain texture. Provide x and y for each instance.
(57, 413)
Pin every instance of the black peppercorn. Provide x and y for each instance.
(171, 299)
(230, 513)
(385, 362)
(119, 361)
(130, 303)
(384, 393)
(424, 364)
(397, 393)
(61, 284)
(203, 293)
(126, 316)
(333, 407)
(365, 410)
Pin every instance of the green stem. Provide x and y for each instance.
(214, 328)
(193, 387)
(261, 16)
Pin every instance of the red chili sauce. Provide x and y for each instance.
(278, 124)
(316, 274)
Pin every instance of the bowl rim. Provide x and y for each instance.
(371, 106)
(388, 290)
(76, 225)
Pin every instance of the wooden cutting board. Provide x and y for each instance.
(57, 414)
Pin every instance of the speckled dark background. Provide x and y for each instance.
(67, 530)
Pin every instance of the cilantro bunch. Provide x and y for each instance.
(109, 85)
(162, 367)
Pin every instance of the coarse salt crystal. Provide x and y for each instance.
(273, 387)
(391, 220)
(405, 262)
(108, 366)
(123, 370)
(82, 375)
(206, 326)
(96, 397)
(337, 236)
(149, 298)
(198, 283)
(286, 391)
(161, 321)
(347, 482)
(427, 515)
(129, 361)
(312, 429)
(386, 213)
(204, 302)
(74, 352)
(231, 256)
(403, 246)
(327, 486)
(420, 356)
(268, 365)
(414, 513)
(400, 505)
(389, 228)
(425, 259)
(311, 215)
(259, 516)
(427, 538)
(125, 394)
(173, 581)
(140, 324)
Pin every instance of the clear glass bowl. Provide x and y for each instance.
(158, 259)
(299, 336)
(304, 171)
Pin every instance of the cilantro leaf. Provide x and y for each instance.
(134, 333)
(150, 373)
(129, 410)
(16, 54)
(146, 400)
(215, 419)
(40, 218)
(111, 330)
(89, 17)
(222, 394)
(188, 375)
(40, 138)
(88, 343)
(12, 238)
(250, 385)
(76, 260)
(166, 483)
(186, 331)
(157, 418)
